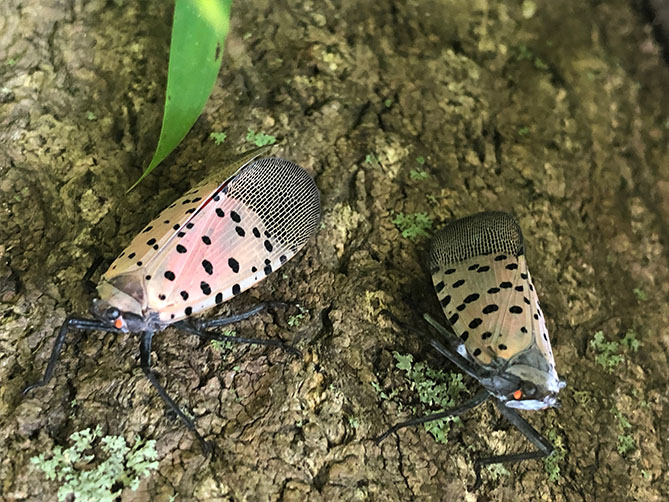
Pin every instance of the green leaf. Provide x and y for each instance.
(198, 38)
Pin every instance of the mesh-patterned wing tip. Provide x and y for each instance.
(477, 235)
(285, 197)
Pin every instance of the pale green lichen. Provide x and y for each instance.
(552, 462)
(413, 225)
(418, 174)
(295, 320)
(218, 137)
(435, 388)
(91, 479)
(497, 471)
(260, 138)
(224, 345)
(609, 354)
(640, 294)
(626, 442)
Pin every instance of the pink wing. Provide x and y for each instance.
(242, 232)
(150, 241)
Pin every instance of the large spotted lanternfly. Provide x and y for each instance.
(484, 287)
(221, 238)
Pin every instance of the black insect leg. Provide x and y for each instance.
(145, 361)
(451, 353)
(70, 323)
(544, 446)
(453, 412)
(205, 324)
(89, 285)
(198, 328)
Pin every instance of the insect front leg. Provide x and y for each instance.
(145, 361)
(70, 323)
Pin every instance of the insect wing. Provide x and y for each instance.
(535, 318)
(480, 298)
(261, 219)
(480, 275)
(153, 238)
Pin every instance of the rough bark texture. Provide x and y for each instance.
(556, 111)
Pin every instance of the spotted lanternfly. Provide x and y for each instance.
(221, 238)
(481, 278)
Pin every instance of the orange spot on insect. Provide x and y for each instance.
(518, 394)
(118, 323)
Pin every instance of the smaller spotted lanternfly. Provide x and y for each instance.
(221, 238)
(484, 287)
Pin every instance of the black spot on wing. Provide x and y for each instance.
(475, 323)
(208, 267)
(234, 265)
(489, 309)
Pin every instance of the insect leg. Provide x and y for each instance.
(224, 321)
(208, 335)
(145, 361)
(544, 446)
(453, 412)
(452, 354)
(89, 285)
(70, 323)
(452, 340)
